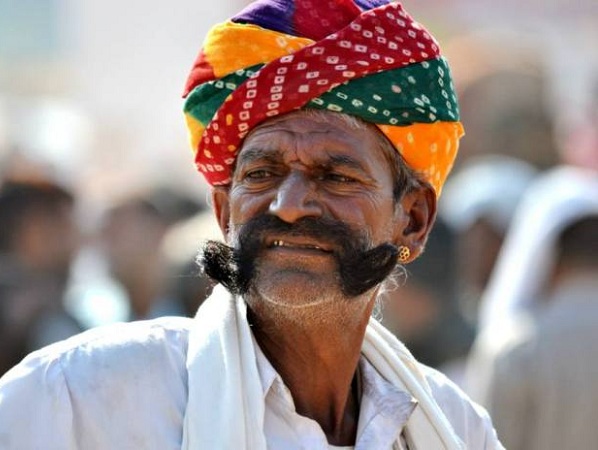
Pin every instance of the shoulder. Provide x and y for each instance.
(103, 377)
(123, 352)
(470, 421)
(100, 347)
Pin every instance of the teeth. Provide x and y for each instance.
(284, 244)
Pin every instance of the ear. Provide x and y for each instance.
(220, 206)
(416, 214)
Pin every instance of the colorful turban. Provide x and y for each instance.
(366, 58)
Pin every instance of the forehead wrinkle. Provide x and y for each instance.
(298, 142)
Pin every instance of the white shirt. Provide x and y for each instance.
(125, 386)
(383, 412)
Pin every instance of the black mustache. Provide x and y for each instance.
(360, 267)
(362, 271)
(253, 234)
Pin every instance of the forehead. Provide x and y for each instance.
(316, 135)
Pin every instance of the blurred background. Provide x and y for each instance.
(102, 211)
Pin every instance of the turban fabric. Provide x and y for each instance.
(366, 58)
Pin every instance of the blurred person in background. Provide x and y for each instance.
(190, 285)
(478, 203)
(423, 311)
(125, 273)
(38, 240)
(535, 363)
(131, 239)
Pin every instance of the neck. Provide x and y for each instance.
(316, 352)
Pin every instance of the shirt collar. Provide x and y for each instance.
(379, 398)
(267, 373)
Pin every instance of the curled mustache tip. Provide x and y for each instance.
(373, 267)
(384, 255)
(216, 260)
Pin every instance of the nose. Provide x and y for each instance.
(295, 199)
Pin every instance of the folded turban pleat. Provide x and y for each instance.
(369, 59)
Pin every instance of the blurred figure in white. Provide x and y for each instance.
(478, 203)
(535, 363)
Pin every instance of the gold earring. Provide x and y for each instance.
(404, 253)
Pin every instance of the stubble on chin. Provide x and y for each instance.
(303, 301)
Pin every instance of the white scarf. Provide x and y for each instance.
(225, 408)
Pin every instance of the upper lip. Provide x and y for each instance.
(298, 242)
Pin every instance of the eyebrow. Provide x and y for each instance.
(250, 155)
(343, 160)
(273, 156)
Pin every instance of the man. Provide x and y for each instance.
(316, 209)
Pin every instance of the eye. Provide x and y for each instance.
(337, 178)
(259, 174)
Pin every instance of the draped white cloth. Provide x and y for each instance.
(226, 405)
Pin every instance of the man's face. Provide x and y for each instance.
(50, 239)
(300, 167)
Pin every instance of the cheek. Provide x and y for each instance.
(374, 214)
(244, 206)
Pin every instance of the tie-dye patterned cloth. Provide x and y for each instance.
(366, 58)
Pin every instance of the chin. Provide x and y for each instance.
(296, 288)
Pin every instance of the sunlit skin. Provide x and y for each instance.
(293, 167)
